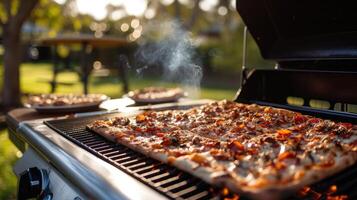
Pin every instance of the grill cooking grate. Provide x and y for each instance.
(165, 179)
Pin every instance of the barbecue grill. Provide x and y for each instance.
(314, 51)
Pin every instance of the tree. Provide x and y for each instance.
(16, 13)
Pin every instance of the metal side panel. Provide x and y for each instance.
(94, 177)
(59, 186)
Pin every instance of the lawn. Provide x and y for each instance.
(34, 79)
(8, 156)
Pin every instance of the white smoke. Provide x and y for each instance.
(173, 50)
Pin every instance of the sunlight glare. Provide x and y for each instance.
(150, 13)
(136, 34)
(124, 27)
(92, 7)
(136, 8)
(135, 23)
(208, 5)
(222, 10)
(98, 9)
(167, 2)
(118, 14)
(233, 5)
(60, 1)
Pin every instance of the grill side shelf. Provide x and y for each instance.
(165, 179)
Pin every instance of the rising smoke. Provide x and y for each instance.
(168, 46)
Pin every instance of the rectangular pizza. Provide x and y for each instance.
(260, 151)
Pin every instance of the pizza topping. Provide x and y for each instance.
(156, 94)
(236, 147)
(140, 118)
(220, 122)
(61, 102)
(220, 155)
(160, 134)
(156, 146)
(100, 124)
(170, 140)
(324, 126)
(279, 165)
(353, 143)
(327, 163)
(120, 135)
(298, 119)
(121, 121)
(196, 140)
(286, 155)
(284, 132)
(346, 125)
(255, 145)
(171, 160)
(314, 120)
(345, 134)
(299, 175)
(271, 140)
(64, 99)
(199, 159)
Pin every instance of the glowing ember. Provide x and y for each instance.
(328, 195)
(339, 197)
(234, 197)
(226, 195)
(332, 189)
(304, 191)
(315, 195)
(225, 191)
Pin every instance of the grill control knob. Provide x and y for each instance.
(34, 183)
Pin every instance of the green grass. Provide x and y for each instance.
(35, 78)
(8, 152)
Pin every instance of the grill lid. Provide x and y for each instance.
(301, 29)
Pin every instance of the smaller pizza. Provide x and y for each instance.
(44, 100)
(156, 95)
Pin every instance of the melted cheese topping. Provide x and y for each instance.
(255, 145)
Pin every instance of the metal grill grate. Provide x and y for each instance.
(165, 179)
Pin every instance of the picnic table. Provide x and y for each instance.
(87, 42)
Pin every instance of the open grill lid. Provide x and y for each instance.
(302, 30)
